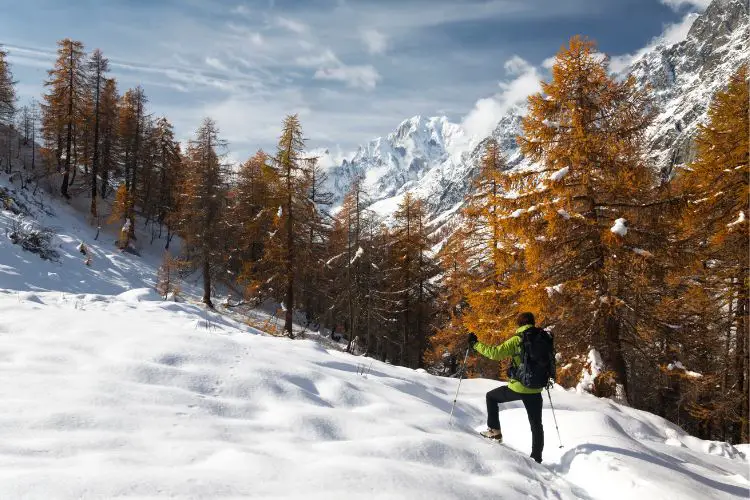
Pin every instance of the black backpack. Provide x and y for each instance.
(537, 359)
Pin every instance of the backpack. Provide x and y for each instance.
(537, 366)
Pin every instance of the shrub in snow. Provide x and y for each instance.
(167, 277)
(33, 238)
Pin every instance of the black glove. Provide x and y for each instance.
(472, 339)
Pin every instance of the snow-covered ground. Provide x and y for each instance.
(129, 396)
(109, 392)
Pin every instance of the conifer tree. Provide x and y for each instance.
(410, 274)
(203, 202)
(7, 88)
(710, 303)
(286, 252)
(132, 133)
(168, 174)
(109, 138)
(349, 264)
(252, 217)
(98, 66)
(63, 105)
(582, 217)
(479, 261)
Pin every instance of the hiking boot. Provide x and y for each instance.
(537, 459)
(493, 434)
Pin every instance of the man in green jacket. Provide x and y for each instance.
(515, 390)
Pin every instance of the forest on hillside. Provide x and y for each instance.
(649, 273)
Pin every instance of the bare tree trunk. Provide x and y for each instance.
(207, 282)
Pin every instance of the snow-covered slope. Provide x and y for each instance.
(435, 159)
(110, 392)
(127, 396)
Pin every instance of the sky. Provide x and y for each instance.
(352, 69)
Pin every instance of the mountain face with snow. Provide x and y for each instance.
(685, 76)
(398, 161)
(433, 158)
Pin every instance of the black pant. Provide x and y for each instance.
(533, 404)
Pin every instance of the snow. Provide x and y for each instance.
(619, 227)
(677, 365)
(594, 367)
(517, 213)
(116, 393)
(563, 213)
(360, 252)
(560, 174)
(740, 220)
(138, 399)
(551, 290)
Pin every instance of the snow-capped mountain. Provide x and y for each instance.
(435, 159)
(396, 162)
(685, 76)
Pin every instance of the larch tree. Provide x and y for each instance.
(410, 273)
(203, 202)
(168, 173)
(132, 129)
(64, 105)
(286, 252)
(7, 89)
(97, 65)
(252, 214)
(481, 263)
(711, 304)
(582, 215)
(318, 222)
(109, 138)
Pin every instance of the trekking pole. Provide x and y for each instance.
(554, 417)
(460, 378)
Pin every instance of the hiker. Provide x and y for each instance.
(530, 394)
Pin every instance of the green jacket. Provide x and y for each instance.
(511, 348)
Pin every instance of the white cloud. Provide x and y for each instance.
(257, 39)
(482, 119)
(678, 4)
(215, 63)
(292, 25)
(375, 41)
(549, 62)
(327, 57)
(241, 10)
(516, 65)
(365, 77)
(673, 33)
(330, 67)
